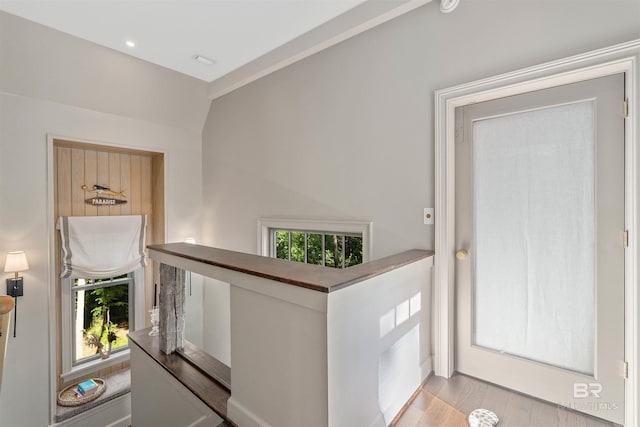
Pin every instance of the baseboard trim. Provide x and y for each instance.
(378, 421)
(242, 416)
(122, 422)
(426, 369)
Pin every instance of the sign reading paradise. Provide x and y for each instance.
(104, 201)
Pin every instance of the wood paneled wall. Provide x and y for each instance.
(139, 174)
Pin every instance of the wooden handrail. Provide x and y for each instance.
(315, 277)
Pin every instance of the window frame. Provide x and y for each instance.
(71, 369)
(268, 226)
(129, 281)
(307, 233)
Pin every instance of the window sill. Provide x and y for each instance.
(95, 365)
(118, 387)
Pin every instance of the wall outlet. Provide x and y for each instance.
(428, 215)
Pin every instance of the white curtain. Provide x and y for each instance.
(534, 235)
(101, 247)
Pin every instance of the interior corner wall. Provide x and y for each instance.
(25, 122)
(348, 133)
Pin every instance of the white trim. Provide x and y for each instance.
(361, 18)
(378, 421)
(330, 226)
(616, 59)
(51, 137)
(94, 365)
(426, 368)
(122, 422)
(199, 421)
(139, 306)
(51, 230)
(101, 413)
(51, 282)
(242, 416)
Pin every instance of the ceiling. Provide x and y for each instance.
(170, 32)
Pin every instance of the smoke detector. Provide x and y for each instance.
(447, 6)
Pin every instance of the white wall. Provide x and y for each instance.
(379, 345)
(158, 399)
(348, 133)
(216, 319)
(25, 121)
(279, 342)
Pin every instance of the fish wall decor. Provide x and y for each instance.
(105, 196)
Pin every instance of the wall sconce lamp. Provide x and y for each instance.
(15, 263)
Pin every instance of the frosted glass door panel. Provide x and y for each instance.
(533, 234)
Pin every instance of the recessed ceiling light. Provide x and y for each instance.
(203, 60)
(130, 43)
(447, 6)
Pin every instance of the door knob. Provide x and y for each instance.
(461, 254)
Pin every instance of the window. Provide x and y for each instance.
(102, 309)
(336, 244)
(329, 250)
(92, 309)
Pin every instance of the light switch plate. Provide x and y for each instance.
(428, 215)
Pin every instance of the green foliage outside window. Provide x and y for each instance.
(111, 311)
(105, 311)
(338, 248)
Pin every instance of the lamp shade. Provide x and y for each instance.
(16, 262)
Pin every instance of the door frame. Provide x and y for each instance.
(622, 58)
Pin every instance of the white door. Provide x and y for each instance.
(539, 232)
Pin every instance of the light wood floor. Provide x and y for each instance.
(447, 403)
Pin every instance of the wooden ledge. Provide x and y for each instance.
(118, 385)
(196, 378)
(315, 277)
